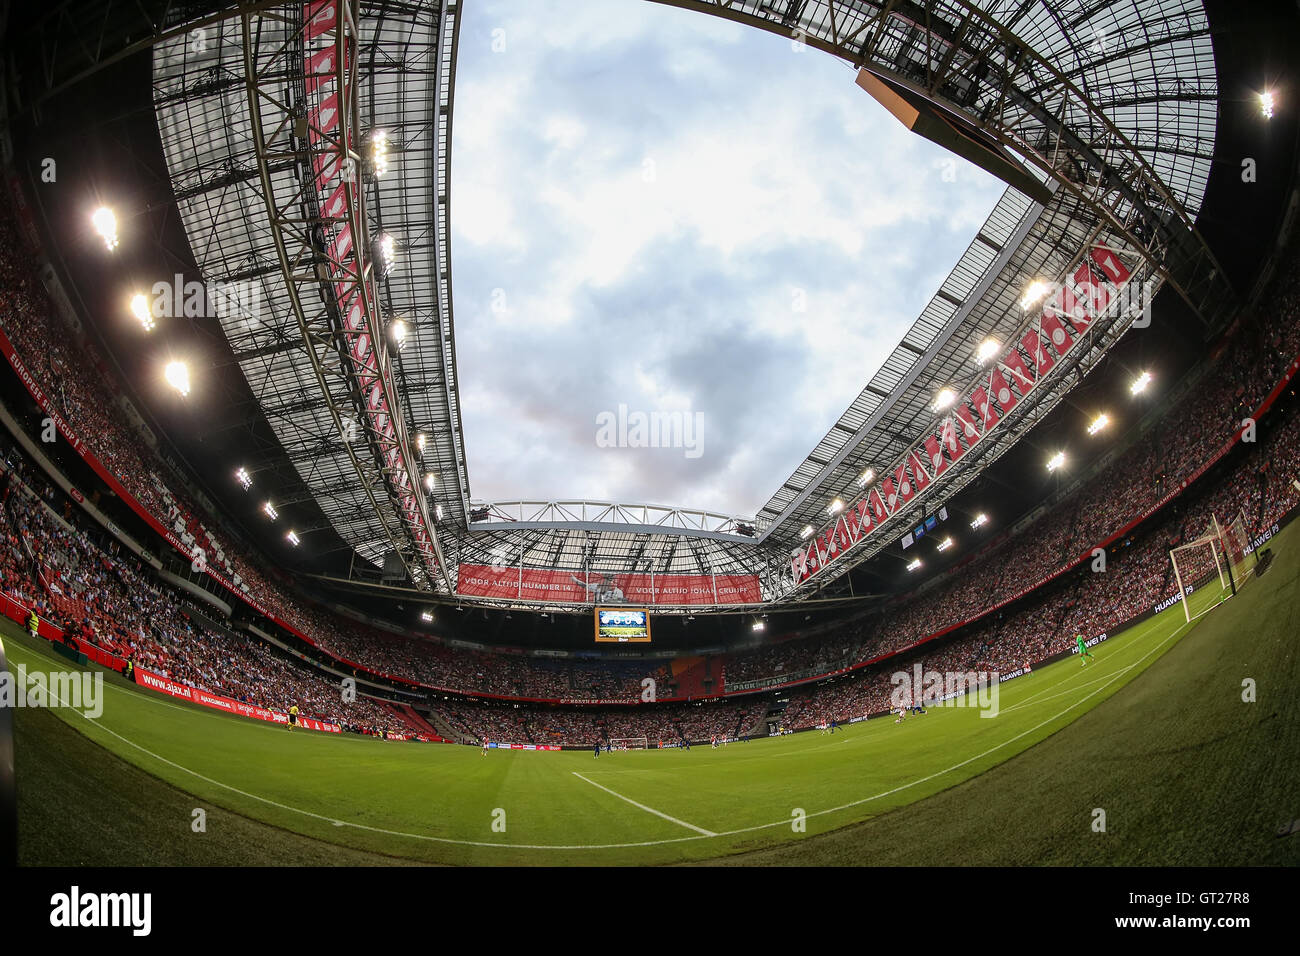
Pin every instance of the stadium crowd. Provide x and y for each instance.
(667, 724)
(83, 582)
(1132, 486)
(109, 598)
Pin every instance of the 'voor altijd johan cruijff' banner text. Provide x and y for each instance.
(538, 584)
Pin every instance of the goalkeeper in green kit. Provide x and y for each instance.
(1084, 654)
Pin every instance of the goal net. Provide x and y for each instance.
(628, 743)
(1236, 545)
(1201, 572)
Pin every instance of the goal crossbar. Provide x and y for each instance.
(1239, 557)
(1200, 571)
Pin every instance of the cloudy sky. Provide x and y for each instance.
(667, 212)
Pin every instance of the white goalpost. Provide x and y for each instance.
(629, 743)
(1203, 571)
(1236, 549)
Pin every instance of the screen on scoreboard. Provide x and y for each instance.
(622, 625)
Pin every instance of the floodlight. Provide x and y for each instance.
(379, 151)
(177, 375)
(944, 399)
(397, 330)
(140, 309)
(105, 224)
(1034, 292)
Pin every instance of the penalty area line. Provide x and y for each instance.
(642, 806)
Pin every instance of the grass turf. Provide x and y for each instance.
(1155, 733)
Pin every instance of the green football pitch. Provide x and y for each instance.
(1149, 755)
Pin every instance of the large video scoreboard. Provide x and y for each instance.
(622, 625)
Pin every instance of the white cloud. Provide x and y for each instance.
(658, 193)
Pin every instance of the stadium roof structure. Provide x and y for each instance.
(1108, 108)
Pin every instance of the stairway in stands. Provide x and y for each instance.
(755, 723)
(445, 728)
(778, 713)
(416, 720)
(413, 721)
(69, 611)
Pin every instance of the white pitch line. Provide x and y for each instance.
(359, 826)
(956, 766)
(1039, 699)
(642, 806)
(591, 846)
(1034, 698)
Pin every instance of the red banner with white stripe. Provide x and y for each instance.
(171, 688)
(569, 587)
(1089, 292)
